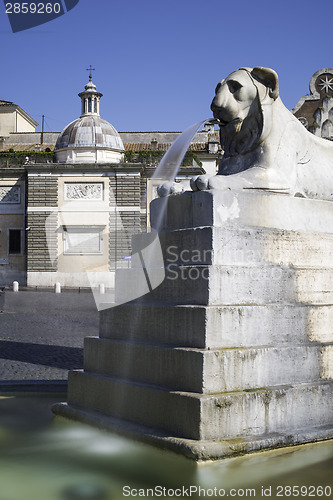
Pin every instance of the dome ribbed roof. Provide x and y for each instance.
(90, 131)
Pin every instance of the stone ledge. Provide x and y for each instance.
(235, 246)
(227, 285)
(218, 326)
(205, 371)
(195, 450)
(255, 208)
(205, 416)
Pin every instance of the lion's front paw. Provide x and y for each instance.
(221, 182)
(168, 188)
(205, 182)
(200, 182)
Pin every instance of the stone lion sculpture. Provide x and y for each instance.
(265, 146)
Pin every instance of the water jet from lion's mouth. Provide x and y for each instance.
(171, 161)
(169, 165)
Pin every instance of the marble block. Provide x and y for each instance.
(233, 351)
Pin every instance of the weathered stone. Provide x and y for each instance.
(206, 371)
(233, 355)
(229, 285)
(243, 208)
(218, 326)
(249, 246)
(199, 450)
(204, 416)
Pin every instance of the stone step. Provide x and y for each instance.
(208, 371)
(218, 326)
(242, 208)
(227, 285)
(214, 449)
(236, 246)
(195, 416)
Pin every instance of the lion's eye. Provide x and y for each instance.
(233, 86)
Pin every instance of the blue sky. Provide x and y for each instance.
(157, 62)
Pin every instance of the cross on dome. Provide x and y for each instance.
(90, 69)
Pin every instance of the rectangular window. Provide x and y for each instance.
(83, 240)
(14, 244)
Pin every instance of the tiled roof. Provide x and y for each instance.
(150, 132)
(161, 147)
(197, 146)
(143, 147)
(128, 147)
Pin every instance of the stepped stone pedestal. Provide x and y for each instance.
(233, 351)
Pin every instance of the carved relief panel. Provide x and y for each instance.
(93, 191)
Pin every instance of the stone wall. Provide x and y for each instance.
(124, 220)
(143, 204)
(42, 199)
(42, 191)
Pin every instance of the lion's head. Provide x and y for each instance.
(238, 106)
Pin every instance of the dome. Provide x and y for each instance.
(89, 139)
(90, 131)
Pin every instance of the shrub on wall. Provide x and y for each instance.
(149, 156)
(20, 156)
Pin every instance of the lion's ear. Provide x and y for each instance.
(269, 78)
